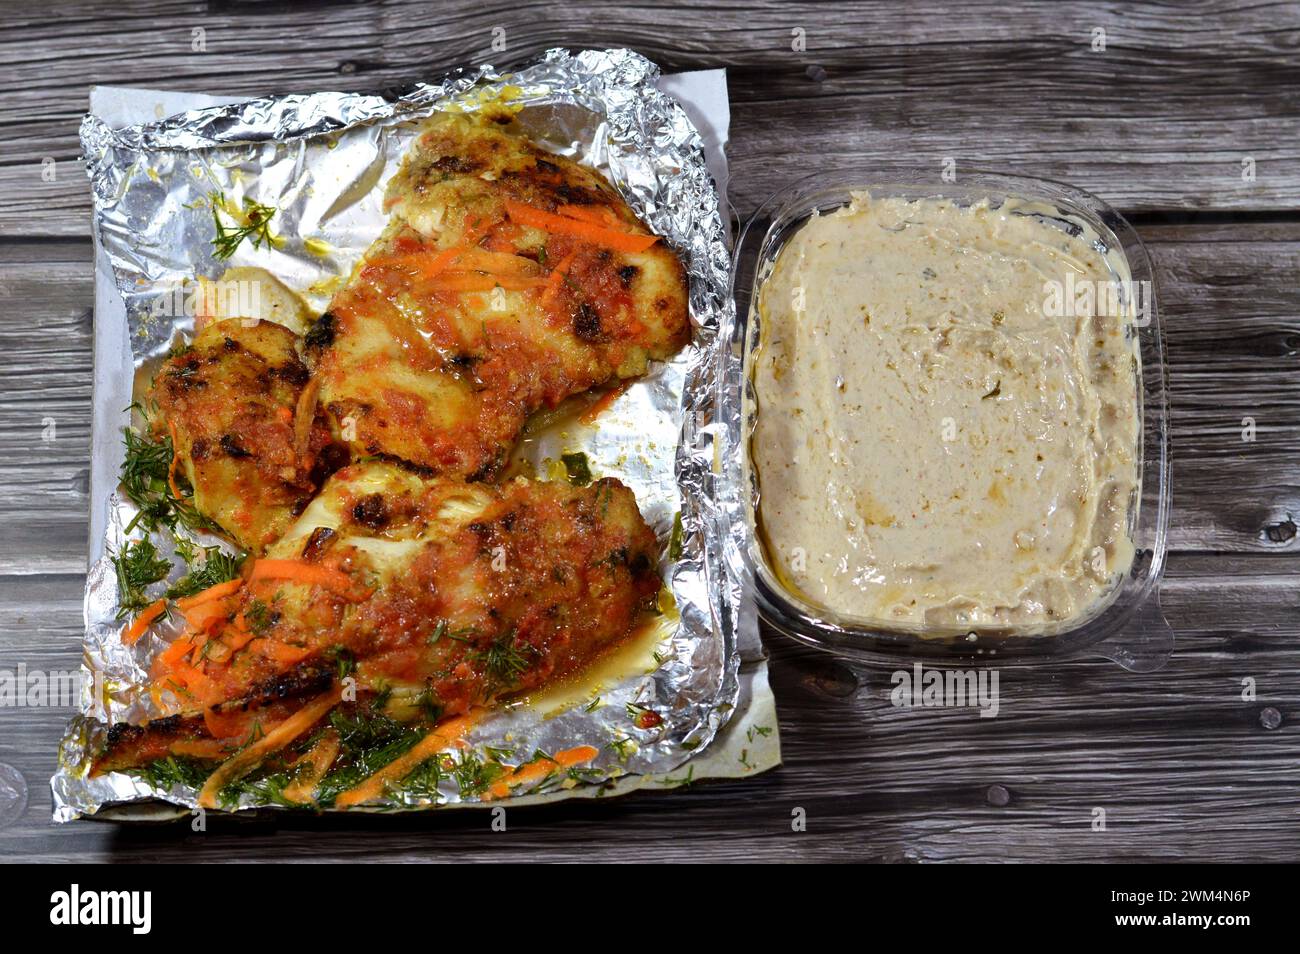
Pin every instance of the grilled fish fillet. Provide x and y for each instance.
(453, 593)
(507, 280)
(233, 399)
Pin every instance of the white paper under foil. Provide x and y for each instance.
(323, 161)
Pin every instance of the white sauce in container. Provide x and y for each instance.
(935, 444)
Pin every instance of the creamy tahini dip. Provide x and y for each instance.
(935, 442)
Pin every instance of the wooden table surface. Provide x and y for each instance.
(1166, 123)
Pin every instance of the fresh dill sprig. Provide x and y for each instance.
(682, 782)
(255, 225)
(503, 662)
(622, 746)
(424, 779)
(428, 704)
(168, 773)
(344, 661)
(367, 728)
(368, 740)
(259, 617)
(217, 567)
(137, 566)
(255, 734)
(474, 775)
(144, 480)
(267, 790)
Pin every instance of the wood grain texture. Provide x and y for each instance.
(1234, 350)
(1184, 766)
(1162, 118)
(1181, 764)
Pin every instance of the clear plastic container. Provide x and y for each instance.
(1128, 626)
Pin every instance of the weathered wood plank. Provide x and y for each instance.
(1232, 311)
(1185, 768)
(1163, 117)
(1182, 765)
(45, 401)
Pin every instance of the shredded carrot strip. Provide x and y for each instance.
(601, 404)
(282, 653)
(476, 282)
(595, 234)
(556, 278)
(439, 739)
(426, 264)
(205, 617)
(309, 574)
(190, 678)
(176, 457)
(244, 761)
(141, 622)
(211, 593)
(504, 238)
(538, 769)
(304, 415)
(597, 216)
(215, 650)
(237, 638)
(199, 748)
(498, 263)
(311, 768)
(475, 230)
(224, 725)
(175, 652)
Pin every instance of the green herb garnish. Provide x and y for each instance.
(503, 662)
(144, 481)
(577, 467)
(137, 566)
(622, 746)
(253, 222)
(218, 567)
(267, 790)
(474, 775)
(171, 772)
(424, 779)
(675, 538)
(345, 662)
(368, 740)
(259, 617)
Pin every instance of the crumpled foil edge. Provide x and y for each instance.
(653, 153)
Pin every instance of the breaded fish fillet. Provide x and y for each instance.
(232, 402)
(451, 593)
(507, 280)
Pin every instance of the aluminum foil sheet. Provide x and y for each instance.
(322, 161)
